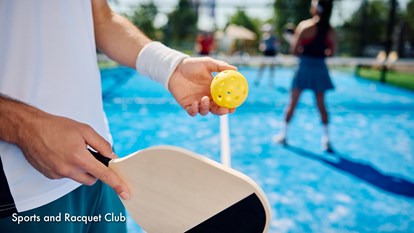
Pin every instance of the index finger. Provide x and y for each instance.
(106, 175)
(217, 66)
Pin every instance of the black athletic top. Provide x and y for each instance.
(316, 46)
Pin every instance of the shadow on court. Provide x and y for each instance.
(362, 171)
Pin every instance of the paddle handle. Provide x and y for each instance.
(100, 157)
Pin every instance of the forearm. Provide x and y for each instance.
(13, 116)
(116, 36)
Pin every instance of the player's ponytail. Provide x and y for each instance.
(324, 10)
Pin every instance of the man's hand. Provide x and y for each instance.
(57, 146)
(190, 85)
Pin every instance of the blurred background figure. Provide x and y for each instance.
(269, 48)
(313, 41)
(205, 43)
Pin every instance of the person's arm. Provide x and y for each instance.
(189, 82)
(294, 44)
(115, 35)
(57, 146)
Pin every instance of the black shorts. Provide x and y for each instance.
(270, 53)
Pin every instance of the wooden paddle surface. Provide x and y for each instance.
(174, 190)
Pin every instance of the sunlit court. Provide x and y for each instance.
(366, 185)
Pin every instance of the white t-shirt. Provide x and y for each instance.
(48, 60)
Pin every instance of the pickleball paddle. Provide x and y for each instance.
(174, 190)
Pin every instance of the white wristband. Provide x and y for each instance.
(158, 62)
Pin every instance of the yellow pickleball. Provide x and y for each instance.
(229, 89)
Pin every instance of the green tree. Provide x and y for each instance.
(144, 16)
(182, 24)
(290, 11)
(365, 29)
(409, 19)
(242, 19)
(409, 25)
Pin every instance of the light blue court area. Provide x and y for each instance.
(366, 186)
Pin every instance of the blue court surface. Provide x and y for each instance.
(367, 185)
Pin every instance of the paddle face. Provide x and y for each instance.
(176, 190)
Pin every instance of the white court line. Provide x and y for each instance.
(225, 140)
